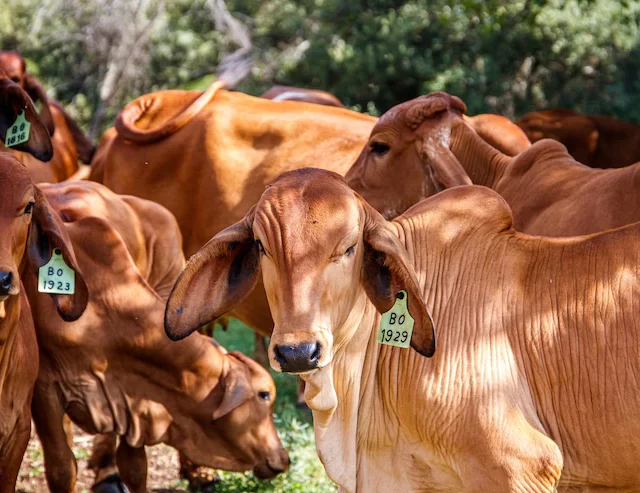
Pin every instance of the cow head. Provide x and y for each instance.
(322, 251)
(16, 69)
(407, 157)
(13, 101)
(29, 232)
(237, 432)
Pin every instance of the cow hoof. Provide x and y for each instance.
(111, 484)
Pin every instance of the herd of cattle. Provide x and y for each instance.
(312, 223)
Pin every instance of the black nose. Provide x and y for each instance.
(5, 283)
(294, 359)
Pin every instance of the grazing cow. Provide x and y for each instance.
(69, 141)
(595, 140)
(30, 233)
(288, 93)
(423, 146)
(114, 370)
(533, 386)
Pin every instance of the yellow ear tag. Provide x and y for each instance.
(18, 132)
(56, 276)
(396, 325)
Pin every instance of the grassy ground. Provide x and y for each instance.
(295, 429)
(294, 426)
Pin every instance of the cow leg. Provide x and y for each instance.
(524, 461)
(103, 464)
(12, 455)
(132, 464)
(300, 402)
(260, 350)
(60, 464)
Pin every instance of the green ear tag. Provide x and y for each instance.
(18, 132)
(56, 276)
(396, 325)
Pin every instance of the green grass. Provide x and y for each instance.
(295, 428)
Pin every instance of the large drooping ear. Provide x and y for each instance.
(46, 233)
(218, 277)
(237, 387)
(35, 90)
(13, 101)
(387, 270)
(445, 169)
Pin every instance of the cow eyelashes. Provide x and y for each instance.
(349, 251)
(379, 148)
(260, 247)
(264, 395)
(29, 208)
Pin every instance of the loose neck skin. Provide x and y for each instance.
(484, 164)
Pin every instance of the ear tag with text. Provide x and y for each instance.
(56, 276)
(396, 325)
(18, 132)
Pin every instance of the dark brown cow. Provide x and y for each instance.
(595, 140)
(69, 141)
(115, 371)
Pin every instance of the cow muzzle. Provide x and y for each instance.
(298, 358)
(6, 283)
(275, 464)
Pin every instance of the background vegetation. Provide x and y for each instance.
(504, 56)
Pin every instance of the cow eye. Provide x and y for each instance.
(29, 208)
(379, 148)
(264, 395)
(349, 251)
(260, 247)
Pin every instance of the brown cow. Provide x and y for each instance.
(114, 370)
(289, 93)
(69, 141)
(534, 386)
(30, 232)
(595, 140)
(424, 145)
(208, 156)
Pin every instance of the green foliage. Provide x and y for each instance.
(295, 428)
(501, 56)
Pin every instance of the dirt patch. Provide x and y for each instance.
(162, 471)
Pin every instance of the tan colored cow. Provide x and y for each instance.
(424, 146)
(208, 156)
(533, 386)
(69, 141)
(114, 370)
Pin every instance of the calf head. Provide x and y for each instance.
(407, 157)
(13, 101)
(16, 69)
(237, 432)
(322, 251)
(30, 231)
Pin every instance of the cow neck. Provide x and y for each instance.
(484, 164)
(9, 326)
